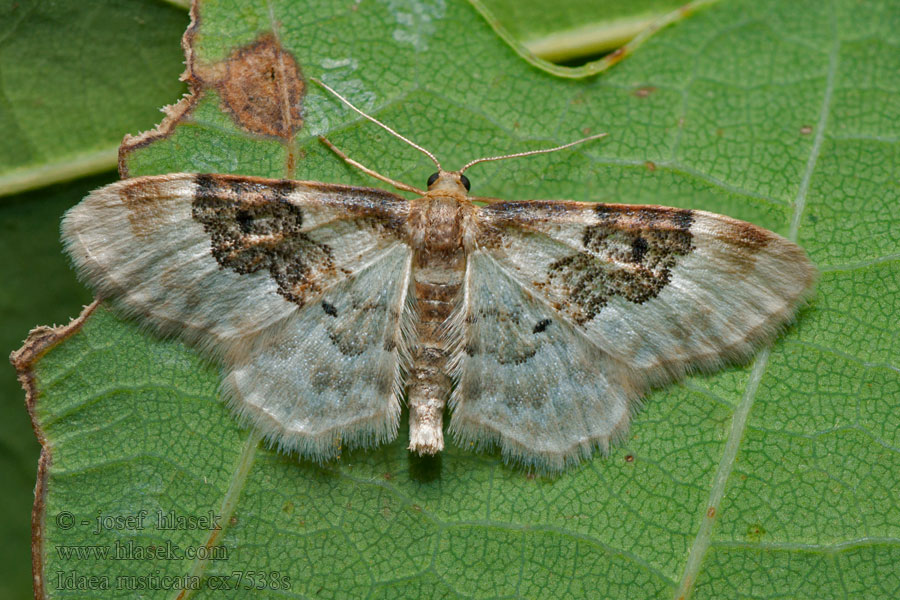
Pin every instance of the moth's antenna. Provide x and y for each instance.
(397, 184)
(531, 152)
(382, 125)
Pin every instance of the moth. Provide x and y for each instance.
(540, 323)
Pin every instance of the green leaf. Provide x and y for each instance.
(778, 478)
(573, 29)
(74, 76)
(567, 31)
(38, 287)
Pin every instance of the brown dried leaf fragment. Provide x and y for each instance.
(260, 86)
(40, 340)
(262, 89)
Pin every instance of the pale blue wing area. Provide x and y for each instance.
(330, 375)
(528, 380)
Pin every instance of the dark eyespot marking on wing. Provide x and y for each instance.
(245, 221)
(541, 326)
(638, 249)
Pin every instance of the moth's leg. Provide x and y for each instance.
(397, 184)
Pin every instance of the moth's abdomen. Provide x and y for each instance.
(439, 266)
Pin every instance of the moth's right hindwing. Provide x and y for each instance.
(529, 381)
(246, 268)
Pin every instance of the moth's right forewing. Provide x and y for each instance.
(299, 287)
(665, 290)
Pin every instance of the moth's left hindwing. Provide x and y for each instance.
(573, 310)
(297, 286)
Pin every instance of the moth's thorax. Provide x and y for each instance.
(437, 224)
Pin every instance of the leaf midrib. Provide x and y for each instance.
(229, 502)
(741, 416)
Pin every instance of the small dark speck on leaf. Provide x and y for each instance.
(755, 532)
(629, 458)
(651, 166)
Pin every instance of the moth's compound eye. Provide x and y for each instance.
(465, 182)
(433, 178)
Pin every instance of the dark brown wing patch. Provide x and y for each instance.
(630, 253)
(626, 251)
(253, 226)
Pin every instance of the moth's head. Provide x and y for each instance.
(449, 183)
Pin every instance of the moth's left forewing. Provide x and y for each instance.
(658, 287)
(217, 257)
(720, 289)
(626, 296)
(138, 245)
